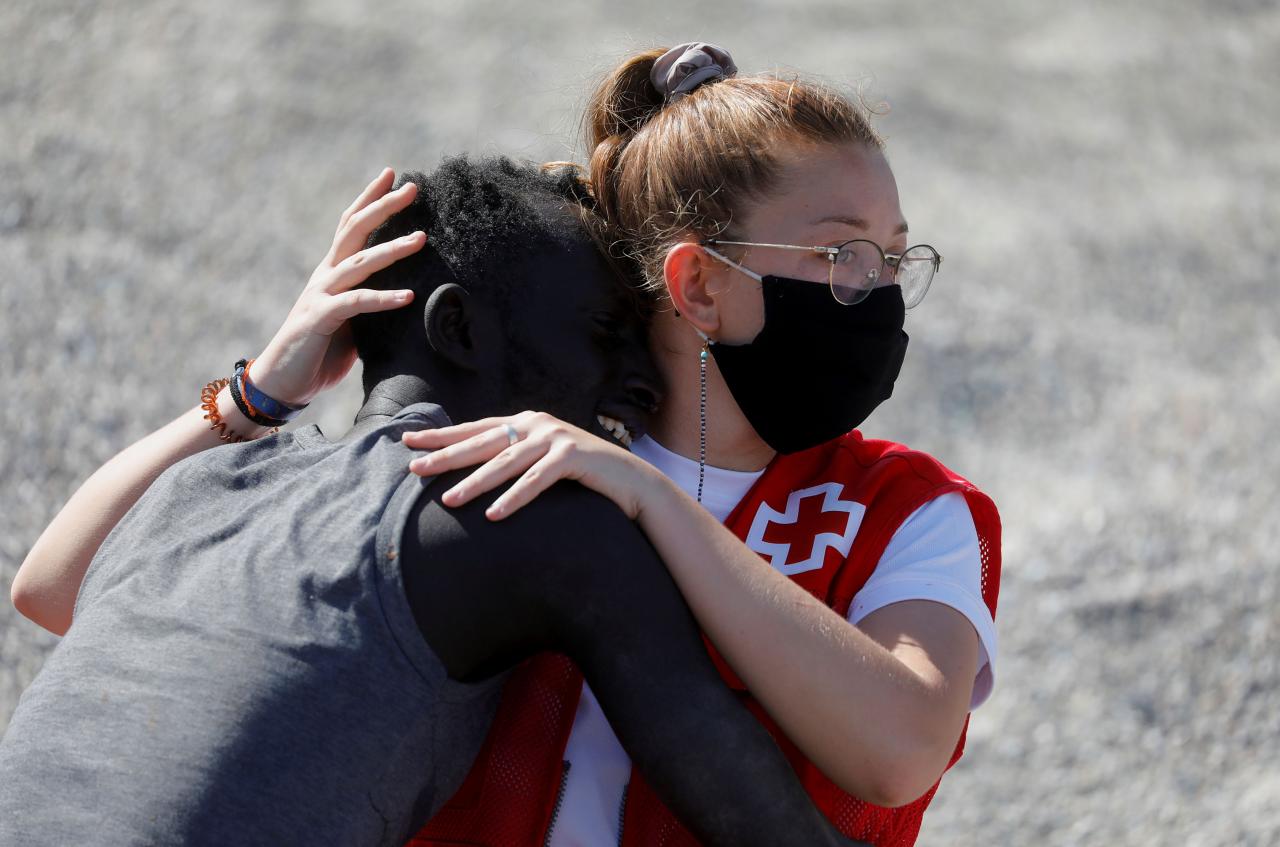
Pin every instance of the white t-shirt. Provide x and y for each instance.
(933, 556)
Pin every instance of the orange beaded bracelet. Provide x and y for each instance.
(209, 402)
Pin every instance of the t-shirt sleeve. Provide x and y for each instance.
(934, 556)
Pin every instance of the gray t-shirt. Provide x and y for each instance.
(243, 667)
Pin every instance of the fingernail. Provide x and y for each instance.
(402, 295)
(494, 512)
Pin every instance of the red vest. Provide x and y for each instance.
(824, 518)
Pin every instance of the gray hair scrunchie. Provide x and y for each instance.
(686, 66)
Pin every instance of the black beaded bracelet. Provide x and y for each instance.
(245, 409)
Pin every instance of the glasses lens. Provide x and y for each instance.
(856, 271)
(915, 272)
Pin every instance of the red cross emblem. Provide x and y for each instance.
(814, 521)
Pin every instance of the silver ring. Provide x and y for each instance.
(512, 435)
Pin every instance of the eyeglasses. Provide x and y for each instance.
(860, 266)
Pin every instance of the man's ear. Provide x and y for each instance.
(447, 320)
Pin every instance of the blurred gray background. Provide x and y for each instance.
(1100, 351)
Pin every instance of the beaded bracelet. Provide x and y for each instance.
(209, 402)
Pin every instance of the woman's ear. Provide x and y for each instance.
(447, 319)
(689, 274)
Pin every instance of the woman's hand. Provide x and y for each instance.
(545, 451)
(313, 349)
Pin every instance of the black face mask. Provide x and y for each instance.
(818, 368)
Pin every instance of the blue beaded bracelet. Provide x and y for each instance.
(257, 406)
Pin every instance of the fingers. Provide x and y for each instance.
(504, 467)
(545, 473)
(354, 232)
(359, 302)
(548, 451)
(380, 186)
(434, 439)
(358, 268)
(467, 452)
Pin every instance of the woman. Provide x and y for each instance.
(758, 209)
(767, 224)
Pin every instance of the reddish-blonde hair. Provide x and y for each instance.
(660, 171)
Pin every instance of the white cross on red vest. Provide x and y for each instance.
(807, 523)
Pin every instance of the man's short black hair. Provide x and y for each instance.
(481, 218)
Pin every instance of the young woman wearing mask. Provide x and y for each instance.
(766, 221)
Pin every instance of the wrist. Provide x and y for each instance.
(235, 419)
(653, 491)
(271, 382)
(256, 405)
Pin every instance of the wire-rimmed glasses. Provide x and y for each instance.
(860, 266)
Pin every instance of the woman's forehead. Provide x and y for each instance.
(833, 188)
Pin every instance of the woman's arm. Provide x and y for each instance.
(878, 707)
(311, 352)
(46, 585)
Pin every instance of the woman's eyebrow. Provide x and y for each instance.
(856, 223)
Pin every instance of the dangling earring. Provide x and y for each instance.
(702, 411)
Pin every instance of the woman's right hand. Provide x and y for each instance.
(313, 349)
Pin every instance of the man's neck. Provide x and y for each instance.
(462, 395)
(388, 396)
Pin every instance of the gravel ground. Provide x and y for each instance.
(1100, 352)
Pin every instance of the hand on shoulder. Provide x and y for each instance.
(536, 450)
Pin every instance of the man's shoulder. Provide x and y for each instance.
(562, 522)
(424, 415)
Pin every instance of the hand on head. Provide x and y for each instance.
(313, 349)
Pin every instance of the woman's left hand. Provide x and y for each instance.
(544, 451)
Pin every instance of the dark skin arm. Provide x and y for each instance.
(570, 573)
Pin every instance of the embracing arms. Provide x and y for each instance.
(572, 574)
(878, 707)
(309, 353)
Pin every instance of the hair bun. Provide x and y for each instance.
(686, 66)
